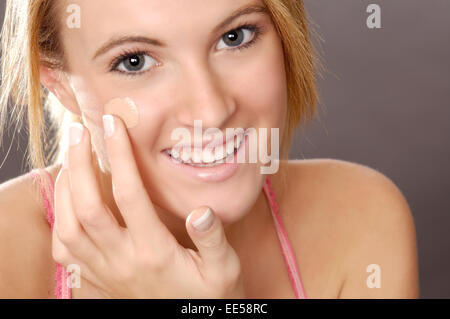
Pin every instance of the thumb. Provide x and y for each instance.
(207, 233)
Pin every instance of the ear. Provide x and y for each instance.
(57, 82)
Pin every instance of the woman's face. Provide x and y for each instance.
(200, 72)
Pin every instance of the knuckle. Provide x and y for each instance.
(155, 262)
(233, 267)
(89, 215)
(124, 196)
(67, 236)
(233, 273)
(228, 275)
(214, 240)
(60, 255)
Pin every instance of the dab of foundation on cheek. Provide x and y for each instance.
(125, 108)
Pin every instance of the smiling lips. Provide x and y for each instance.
(213, 153)
(212, 172)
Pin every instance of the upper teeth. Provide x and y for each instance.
(209, 154)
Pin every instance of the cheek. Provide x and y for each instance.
(92, 95)
(261, 86)
(151, 120)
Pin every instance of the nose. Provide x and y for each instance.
(203, 98)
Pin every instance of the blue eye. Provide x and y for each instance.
(134, 62)
(139, 62)
(243, 34)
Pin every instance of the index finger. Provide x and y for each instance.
(128, 188)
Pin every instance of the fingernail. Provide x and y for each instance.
(108, 125)
(76, 133)
(204, 221)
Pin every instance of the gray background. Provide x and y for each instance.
(385, 103)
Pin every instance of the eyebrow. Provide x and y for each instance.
(116, 41)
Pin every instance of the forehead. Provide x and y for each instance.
(161, 19)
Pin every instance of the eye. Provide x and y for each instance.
(133, 63)
(138, 62)
(236, 37)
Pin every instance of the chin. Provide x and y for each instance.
(230, 186)
(231, 199)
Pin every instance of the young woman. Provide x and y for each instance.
(131, 222)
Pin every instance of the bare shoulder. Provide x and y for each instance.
(360, 224)
(25, 240)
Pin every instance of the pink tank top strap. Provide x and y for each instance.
(48, 199)
(286, 248)
(62, 288)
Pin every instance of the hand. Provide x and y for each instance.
(143, 260)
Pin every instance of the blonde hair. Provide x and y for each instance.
(30, 37)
